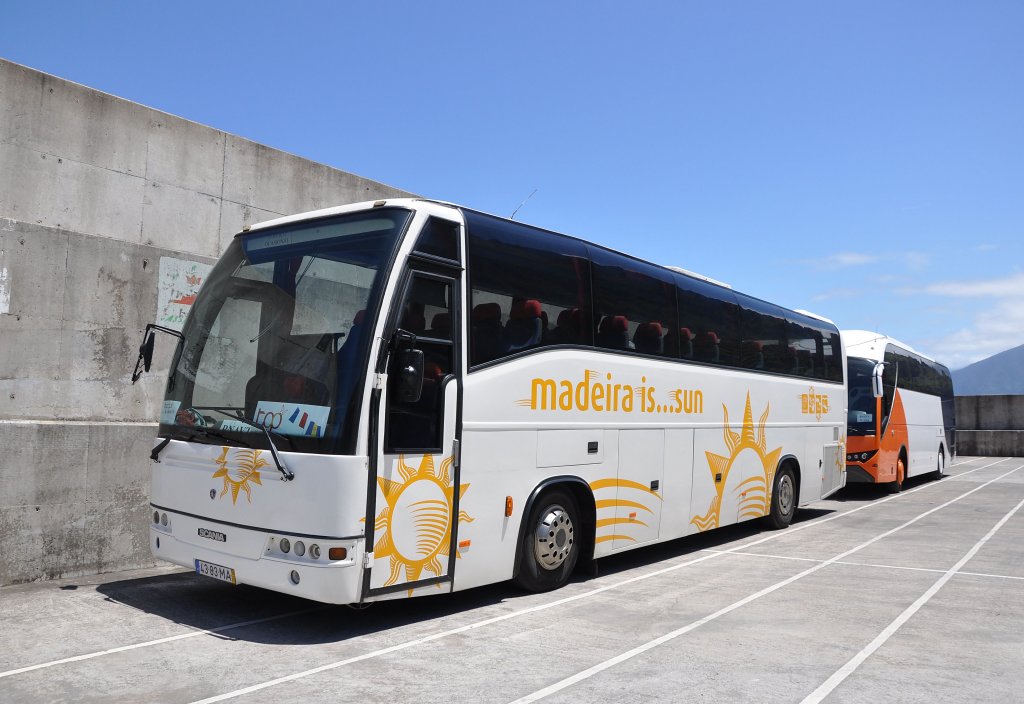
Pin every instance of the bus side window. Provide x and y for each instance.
(528, 289)
(634, 304)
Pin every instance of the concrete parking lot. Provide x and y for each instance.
(908, 597)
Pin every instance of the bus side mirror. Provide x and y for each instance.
(145, 360)
(409, 385)
(876, 380)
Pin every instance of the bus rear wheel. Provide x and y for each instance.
(783, 507)
(550, 544)
(940, 466)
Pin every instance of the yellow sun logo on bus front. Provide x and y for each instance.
(417, 522)
(237, 475)
(756, 470)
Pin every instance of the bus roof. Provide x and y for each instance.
(871, 345)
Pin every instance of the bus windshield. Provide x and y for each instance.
(862, 400)
(277, 335)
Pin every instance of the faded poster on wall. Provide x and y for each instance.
(180, 280)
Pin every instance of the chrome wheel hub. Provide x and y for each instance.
(786, 494)
(553, 537)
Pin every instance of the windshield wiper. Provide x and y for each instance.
(285, 472)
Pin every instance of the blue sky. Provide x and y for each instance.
(863, 160)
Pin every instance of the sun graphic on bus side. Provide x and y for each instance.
(237, 475)
(417, 523)
(753, 494)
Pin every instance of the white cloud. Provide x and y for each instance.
(843, 260)
(997, 327)
(915, 260)
(838, 293)
(1009, 286)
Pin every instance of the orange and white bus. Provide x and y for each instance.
(901, 412)
(403, 397)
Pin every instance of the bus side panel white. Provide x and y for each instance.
(638, 496)
(564, 448)
(705, 509)
(924, 426)
(495, 464)
(677, 484)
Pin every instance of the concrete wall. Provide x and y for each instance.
(96, 193)
(990, 426)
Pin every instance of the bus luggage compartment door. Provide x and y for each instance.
(833, 469)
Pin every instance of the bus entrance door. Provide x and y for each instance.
(412, 509)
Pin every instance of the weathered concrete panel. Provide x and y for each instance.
(41, 542)
(49, 115)
(43, 463)
(107, 284)
(75, 499)
(35, 258)
(990, 443)
(45, 189)
(185, 154)
(997, 412)
(181, 219)
(257, 175)
(30, 346)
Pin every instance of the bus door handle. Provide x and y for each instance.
(456, 455)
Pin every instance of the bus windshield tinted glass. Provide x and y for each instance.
(862, 400)
(278, 335)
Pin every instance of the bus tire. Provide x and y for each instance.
(901, 476)
(783, 508)
(550, 543)
(939, 466)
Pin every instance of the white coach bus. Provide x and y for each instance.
(902, 412)
(402, 397)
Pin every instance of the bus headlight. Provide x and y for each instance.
(860, 456)
(285, 545)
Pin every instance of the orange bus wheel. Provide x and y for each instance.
(901, 473)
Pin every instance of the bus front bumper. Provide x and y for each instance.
(183, 542)
(855, 474)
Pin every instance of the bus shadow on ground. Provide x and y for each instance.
(871, 492)
(204, 604)
(720, 538)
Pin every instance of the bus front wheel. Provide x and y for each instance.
(551, 543)
(784, 497)
(901, 475)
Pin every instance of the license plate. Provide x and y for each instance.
(208, 569)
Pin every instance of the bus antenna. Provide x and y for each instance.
(513, 216)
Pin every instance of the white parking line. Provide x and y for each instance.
(865, 564)
(601, 667)
(848, 669)
(242, 624)
(168, 639)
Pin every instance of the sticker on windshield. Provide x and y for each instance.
(293, 418)
(169, 411)
(238, 426)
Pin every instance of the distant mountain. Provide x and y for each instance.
(1001, 373)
